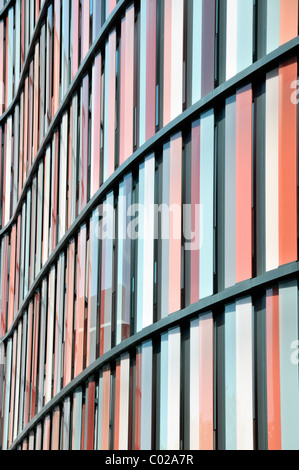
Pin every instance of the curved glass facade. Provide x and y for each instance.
(149, 224)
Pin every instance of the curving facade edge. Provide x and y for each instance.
(172, 325)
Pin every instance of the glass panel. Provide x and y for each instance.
(35, 355)
(68, 327)
(96, 125)
(238, 376)
(107, 234)
(201, 383)
(50, 336)
(42, 347)
(145, 266)
(123, 262)
(104, 409)
(126, 85)
(80, 305)
(173, 59)
(93, 292)
(59, 315)
(109, 112)
(63, 177)
(56, 56)
(83, 154)
(170, 390)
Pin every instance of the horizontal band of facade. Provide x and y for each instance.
(252, 287)
(214, 98)
(218, 95)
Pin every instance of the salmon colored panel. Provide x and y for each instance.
(5, 245)
(28, 364)
(123, 110)
(21, 147)
(131, 399)
(35, 354)
(22, 34)
(195, 200)
(56, 56)
(84, 28)
(55, 429)
(206, 385)
(175, 224)
(244, 184)
(112, 5)
(25, 444)
(287, 165)
(90, 416)
(273, 370)
(126, 87)
(75, 38)
(80, 266)
(150, 120)
(138, 401)
(116, 407)
(49, 69)
(46, 442)
(106, 410)
(70, 281)
(167, 62)
(36, 10)
(111, 100)
(30, 116)
(36, 101)
(84, 148)
(288, 20)
(12, 276)
(95, 177)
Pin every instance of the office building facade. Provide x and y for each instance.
(149, 224)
